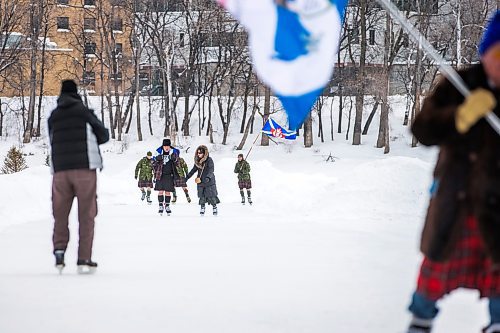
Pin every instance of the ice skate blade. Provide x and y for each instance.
(86, 270)
(60, 268)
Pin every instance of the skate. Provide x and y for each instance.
(419, 325)
(160, 209)
(143, 196)
(215, 210)
(202, 210)
(86, 266)
(59, 254)
(250, 200)
(174, 199)
(168, 210)
(188, 198)
(493, 328)
(242, 200)
(148, 199)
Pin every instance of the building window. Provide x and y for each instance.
(89, 23)
(118, 48)
(89, 3)
(117, 24)
(63, 22)
(354, 35)
(63, 2)
(117, 2)
(181, 39)
(88, 77)
(371, 39)
(117, 76)
(90, 48)
(406, 40)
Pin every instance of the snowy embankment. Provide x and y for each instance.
(326, 247)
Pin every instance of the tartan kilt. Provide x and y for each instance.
(180, 182)
(468, 267)
(244, 184)
(145, 183)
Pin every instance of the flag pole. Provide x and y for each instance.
(258, 134)
(446, 69)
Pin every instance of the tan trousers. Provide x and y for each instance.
(66, 185)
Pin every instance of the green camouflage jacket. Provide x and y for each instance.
(242, 168)
(144, 169)
(182, 168)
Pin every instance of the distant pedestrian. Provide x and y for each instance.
(205, 179)
(144, 171)
(242, 168)
(182, 171)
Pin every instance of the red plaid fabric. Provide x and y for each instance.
(469, 267)
(145, 183)
(180, 182)
(245, 184)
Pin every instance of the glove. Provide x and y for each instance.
(477, 105)
(197, 180)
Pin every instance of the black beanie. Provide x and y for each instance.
(68, 87)
(166, 142)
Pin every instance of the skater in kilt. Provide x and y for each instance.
(205, 179)
(165, 173)
(242, 168)
(144, 173)
(182, 171)
(461, 236)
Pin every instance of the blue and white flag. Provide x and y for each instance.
(293, 47)
(273, 129)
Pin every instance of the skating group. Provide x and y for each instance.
(168, 170)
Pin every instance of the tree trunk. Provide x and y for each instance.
(247, 129)
(267, 111)
(308, 132)
(361, 78)
(370, 117)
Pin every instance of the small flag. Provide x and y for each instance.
(293, 47)
(273, 129)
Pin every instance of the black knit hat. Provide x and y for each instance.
(166, 142)
(69, 87)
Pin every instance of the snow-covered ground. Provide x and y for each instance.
(326, 247)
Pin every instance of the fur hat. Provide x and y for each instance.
(166, 142)
(492, 34)
(69, 87)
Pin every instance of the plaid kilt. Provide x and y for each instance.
(180, 182)
(245, 184)
(469, 267)
(145, 183)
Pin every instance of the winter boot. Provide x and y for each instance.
(202, 210)
(160, 209)
(242, 197)
(174, 198)
(250, 200)
(187, 196)
(143, 195)
(86, 266)
(215, 210)
(167, 209)
(419, 325)
(59, 254)
(148, 199)
(493, 328)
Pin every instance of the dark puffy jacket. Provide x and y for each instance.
(467, 174)
(75, 135)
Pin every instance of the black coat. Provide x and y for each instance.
(75, 135)
(205, 171)
(467, 173)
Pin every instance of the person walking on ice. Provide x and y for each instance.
(182, 171)
(461, 236)
(242, 168)
(205, 179)
(144, 171)
(165, 174)
(75, 135)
